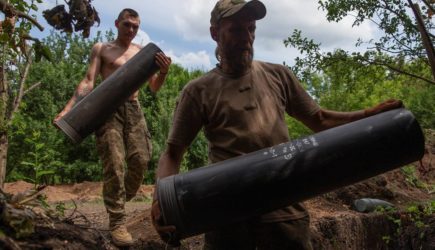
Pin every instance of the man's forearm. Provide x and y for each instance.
(79, 94)
(326, 119)
(167, 166)
(157, 82)
(333, 118)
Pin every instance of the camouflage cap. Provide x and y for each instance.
(226, 8)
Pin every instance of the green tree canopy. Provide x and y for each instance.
(401, 38)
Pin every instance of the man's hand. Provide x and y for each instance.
(156, 81)
(59, 116)
(163, 62)
(383, 106)
(167, 233)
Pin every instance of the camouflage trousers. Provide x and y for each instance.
(253, 235)
(124, 147)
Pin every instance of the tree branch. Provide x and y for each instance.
(10, 11)
(35, 85)
(408, 74)
(429, 6)
(424, 36)
(19, 97)
(29, 37)
(403, 18)
(400, 71)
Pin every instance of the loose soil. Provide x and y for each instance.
(334, 223)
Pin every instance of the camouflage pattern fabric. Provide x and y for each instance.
(124, 138)
(253, 235)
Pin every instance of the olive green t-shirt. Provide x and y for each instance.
(242, 114)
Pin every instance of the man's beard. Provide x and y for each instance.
(238, 61)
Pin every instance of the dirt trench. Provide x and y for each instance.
(334, 222)
(338, 230)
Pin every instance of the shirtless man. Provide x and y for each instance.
(124, 137)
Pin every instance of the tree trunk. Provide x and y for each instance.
(427, 43)
(3, 124)
(3, 156)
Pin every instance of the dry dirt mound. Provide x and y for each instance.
(334, 223)
(81, 192)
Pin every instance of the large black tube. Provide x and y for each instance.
(94, 109)
(234, 190)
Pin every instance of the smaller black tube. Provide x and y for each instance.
(237, 189)
(95, 108)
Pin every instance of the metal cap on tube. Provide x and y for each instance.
(168, 196)
(68, 130)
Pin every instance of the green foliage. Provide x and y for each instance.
(39, 164)
(296, 129)
(60, 208)
(411, 176)
(41, 51)
(393, 215)
(399, 49)
(415, 215)
(304, 67)
(393, 18)
(340, 82)
(158, 109)
(197, 154)
(387, 239)
(25, 6)
(39, 107)
(17, 46)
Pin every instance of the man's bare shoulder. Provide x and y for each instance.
(107, 48)
(101, 46)
(104, 45)
(97, 49)
(98, 45)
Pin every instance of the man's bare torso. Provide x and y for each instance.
(114, 56)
